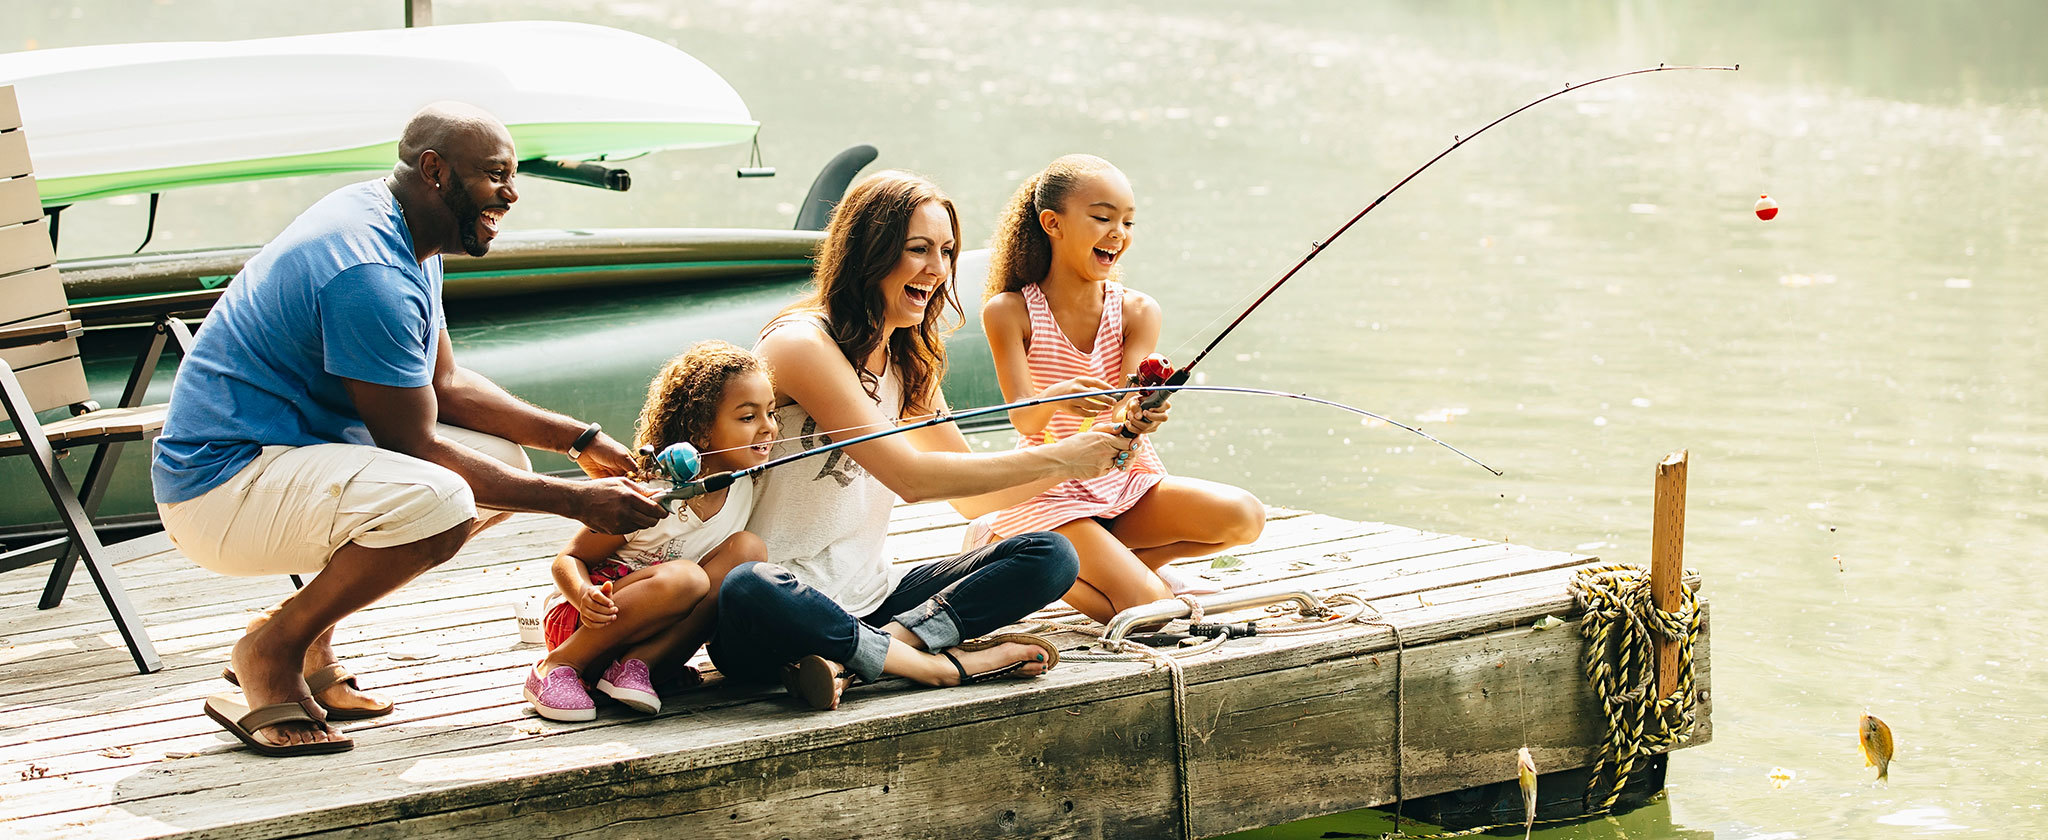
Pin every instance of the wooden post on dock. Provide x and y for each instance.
(419, 13)
(1667, 559)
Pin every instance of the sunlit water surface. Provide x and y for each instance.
(1569, 297)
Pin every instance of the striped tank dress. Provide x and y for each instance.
(1053, 358)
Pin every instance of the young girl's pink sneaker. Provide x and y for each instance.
(628, 682)
(559, 695)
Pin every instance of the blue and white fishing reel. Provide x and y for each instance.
(679, 462)
(677, 466)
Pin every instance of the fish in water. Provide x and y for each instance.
(1525, 771)
(1875, 739)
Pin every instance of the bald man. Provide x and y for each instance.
(322, 425)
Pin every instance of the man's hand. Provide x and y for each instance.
(594, 604)
(615, 506)
(606, 458)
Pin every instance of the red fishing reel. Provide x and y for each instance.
(1152, 372)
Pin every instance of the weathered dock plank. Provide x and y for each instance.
(1284, 726)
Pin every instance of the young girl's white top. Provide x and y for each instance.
(683, 536)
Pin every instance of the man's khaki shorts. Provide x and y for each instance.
(287, 512)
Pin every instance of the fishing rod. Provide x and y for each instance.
(1166, 380)
(680, 460)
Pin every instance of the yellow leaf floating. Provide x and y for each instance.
(1780, 777)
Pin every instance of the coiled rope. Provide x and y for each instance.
(1622, 625)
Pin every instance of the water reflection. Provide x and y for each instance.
(1570, 298)
(1652, 820)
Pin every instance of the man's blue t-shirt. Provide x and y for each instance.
(337, 295)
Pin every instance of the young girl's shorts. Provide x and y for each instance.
(562, 618)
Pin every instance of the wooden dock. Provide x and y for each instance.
(1281, 727)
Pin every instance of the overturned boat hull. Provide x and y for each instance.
(520, 262)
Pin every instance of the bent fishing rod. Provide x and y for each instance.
(1166, 380)
(680, 458)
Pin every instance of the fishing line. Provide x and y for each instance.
(687, 489)
(1316, 248)
(926, 419)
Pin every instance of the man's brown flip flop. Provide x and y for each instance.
(232, 712)
(323, 679)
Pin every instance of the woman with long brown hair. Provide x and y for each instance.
(863, 351)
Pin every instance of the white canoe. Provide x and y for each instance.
(135, 118)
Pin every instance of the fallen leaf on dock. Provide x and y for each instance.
(530, 728)
(174, 755)
(1226, 561)
(1547, 622)
(34, 771)
(117, 752)
(410, 655)
(1780, 777)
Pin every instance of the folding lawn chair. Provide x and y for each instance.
(40, 372)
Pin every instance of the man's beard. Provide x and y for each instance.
(467, 216)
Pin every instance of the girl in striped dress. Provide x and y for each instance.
(1058, 321)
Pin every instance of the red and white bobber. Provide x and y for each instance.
(1766, 209)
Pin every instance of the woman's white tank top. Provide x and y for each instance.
(825, 518)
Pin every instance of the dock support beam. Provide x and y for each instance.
(1667, 560)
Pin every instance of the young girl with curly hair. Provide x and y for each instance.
(1059, 321)
(627, 608)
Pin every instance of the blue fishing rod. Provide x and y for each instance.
(680, 460)
(1165, 380)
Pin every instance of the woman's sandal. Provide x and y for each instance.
(1052, 656)
(326, 678)
(812, 680)
(232, 712)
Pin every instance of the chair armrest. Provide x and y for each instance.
(144, 310)
(12, 337)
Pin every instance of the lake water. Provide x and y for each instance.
(1570, 297)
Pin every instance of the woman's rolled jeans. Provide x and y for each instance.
(767, 618)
